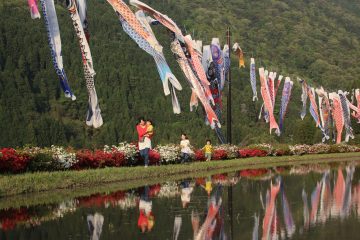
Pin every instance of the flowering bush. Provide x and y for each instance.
(264, 147)
(12, 162)
(341, 148)
(232, 151)
(169, 153)
(66, 159)
(200, 155)
(99, 159)
(129, 149)
(219, 154)
(245, 153)
(299, 149)
(319, 148)
(154, 157)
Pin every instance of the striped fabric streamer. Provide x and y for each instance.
(53, 32)
(285, 99)
(146, 41)
(346, 113)
(338, 115)
(304, 97)
(93, 116)
(253, 79)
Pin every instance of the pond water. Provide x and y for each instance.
(302, 202)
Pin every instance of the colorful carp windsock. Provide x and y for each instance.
(265, 93)
(82, 10)
(313, 106)
(194, 82)
(226, 65)
(325, 112)
(189, 45)
(346, 113)
(356, 112)
(304, 97)
(239, 52)
(338, 115)
(218, 61)
(206, 57)
(271, 83)
(34, 11)
(53, 32)
(278, 84)
(93, 116)
(285, 99)
(253, 79)
(146, 41)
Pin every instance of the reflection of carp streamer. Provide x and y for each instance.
(289, 221)
(270, 210)
(210, 221)
(95, 223)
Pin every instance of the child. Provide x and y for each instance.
(208, 149)
(185, 148)
(150, 129)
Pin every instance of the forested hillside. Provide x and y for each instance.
(317, 40)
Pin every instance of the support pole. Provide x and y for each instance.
(229, 112)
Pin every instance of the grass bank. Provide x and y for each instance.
(137, 176)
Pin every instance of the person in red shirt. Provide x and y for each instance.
(143, 140)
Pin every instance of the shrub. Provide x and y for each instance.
(219, 154)
(168, 153)
(232, 151)
(319, 148)
(99, 159)
(154, 157)
(199, 155)
(299, 149)
(43, 162)
(342, 148)
(12, 162)
(281, 150)
(245, 153)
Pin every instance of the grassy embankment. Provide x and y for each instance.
(91, 181)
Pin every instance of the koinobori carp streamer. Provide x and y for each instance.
(285, 99)
(253, 79)
(34, 11)
(93, 116)
(146, 41)
(53, 32)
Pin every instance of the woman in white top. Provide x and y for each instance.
(185, 148)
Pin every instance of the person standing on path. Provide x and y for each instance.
(143, 140)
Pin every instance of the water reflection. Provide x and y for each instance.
(293, 203)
